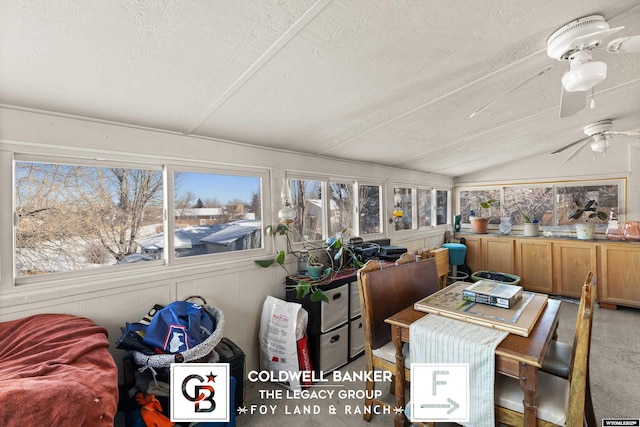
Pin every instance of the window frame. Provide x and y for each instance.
(620, 182)
(168, 260)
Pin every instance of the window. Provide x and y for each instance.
(470, 201)
(213, 213)
(534, 202)
(442, 207)
(370, 209)
(307, 201)
(424, 207)
(549, 204)
(74, 217)
(605, 195)
(403, 205)
(77, 215)
(341, 208)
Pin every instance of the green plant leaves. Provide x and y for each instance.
(303, 289)
(264, 262)
(318, 296)
(280, 257)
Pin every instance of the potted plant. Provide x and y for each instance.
(531, 226)
(587, 229)
(315, 268)
(479, 224)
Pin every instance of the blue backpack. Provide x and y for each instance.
(178, 327)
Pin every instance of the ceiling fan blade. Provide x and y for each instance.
(571, 102)
(559, 150)
(624, 44)
(631, 134)
(539, 73)
(592, 39)
(572, 155)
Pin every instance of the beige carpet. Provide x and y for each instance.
(615, 375)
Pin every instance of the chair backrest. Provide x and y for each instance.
(386, 291)
(405, 258)
(580, 361)
(588, 289)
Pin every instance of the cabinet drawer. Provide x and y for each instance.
(356, 336)
(336, 311)
(354, 300)
(334, 348)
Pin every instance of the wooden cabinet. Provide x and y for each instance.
(498, 255)
(534, 262)
(559, 266)
(474, 252)
(572, 260)
(619, 274)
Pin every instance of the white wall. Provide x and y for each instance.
(238, 288)
(622, 161)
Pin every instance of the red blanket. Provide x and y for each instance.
(55, 370)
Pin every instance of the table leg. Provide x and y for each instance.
(529, 385)
(396, 336)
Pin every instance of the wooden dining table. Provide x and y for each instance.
(516, 356)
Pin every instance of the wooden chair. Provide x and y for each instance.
(384, 292)
(559, 357)
(406, 258)
(560, 401)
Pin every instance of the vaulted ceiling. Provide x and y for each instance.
(391, 82)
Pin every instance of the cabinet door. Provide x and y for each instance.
(572, 261)
(498, 255)
(620, 281)
(534, 265)
(474, 253)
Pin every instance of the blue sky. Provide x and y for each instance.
(222, 187)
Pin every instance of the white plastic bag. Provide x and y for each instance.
(282, 324)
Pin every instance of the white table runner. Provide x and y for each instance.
(437, 339)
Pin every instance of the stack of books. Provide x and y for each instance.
(493, 293)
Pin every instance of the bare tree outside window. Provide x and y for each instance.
(307, 201)
(341, 208)
(75, 217)
(470, 201)
(535, 202)
(369, 209)
(424, 207)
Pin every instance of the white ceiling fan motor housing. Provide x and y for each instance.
(560, 43)
(598, 127)
(599, 133)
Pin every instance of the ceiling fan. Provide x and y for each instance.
(599, 135)
(573, 43)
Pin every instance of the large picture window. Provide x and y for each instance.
(548, 204)
(74, 217)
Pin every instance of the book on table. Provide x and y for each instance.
(493, 293)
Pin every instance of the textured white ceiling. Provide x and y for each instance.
(389, 82)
